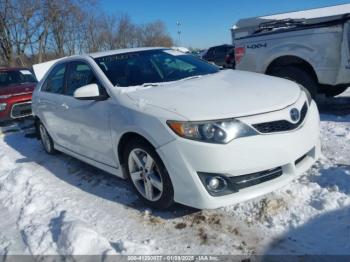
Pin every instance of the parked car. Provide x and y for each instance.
(218, 55)
(311, 47)
(179, 128)
(16, 88)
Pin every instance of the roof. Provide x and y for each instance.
(121, 51)
(330, 11)
(41, 69)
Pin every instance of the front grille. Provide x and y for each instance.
(21, 110)
(281, 125)
(240, 182)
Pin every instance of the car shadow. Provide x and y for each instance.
(337, 106)
(335, 178)
(16, 125)
(327, 234)
(86, 177)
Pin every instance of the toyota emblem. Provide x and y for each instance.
(295, 115)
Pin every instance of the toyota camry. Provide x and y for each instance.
(180, 129)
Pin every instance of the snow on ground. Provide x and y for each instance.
(59, 205)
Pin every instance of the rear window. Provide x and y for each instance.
(16, 77)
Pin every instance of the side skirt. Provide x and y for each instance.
(109, 169)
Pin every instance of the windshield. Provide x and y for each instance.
(8, 78)
(138, 68)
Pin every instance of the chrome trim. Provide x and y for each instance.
(295, 125)
(18, 104)
(258, 176)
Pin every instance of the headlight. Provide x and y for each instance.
(3, 106)
(5, 96)
(308, 95)
(218, 131)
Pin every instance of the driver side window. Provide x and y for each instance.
(79, 74)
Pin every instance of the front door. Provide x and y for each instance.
(87, 120)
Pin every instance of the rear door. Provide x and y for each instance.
(49, 101)
(86, 121)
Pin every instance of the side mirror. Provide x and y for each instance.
(89, 92)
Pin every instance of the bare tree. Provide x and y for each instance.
(126, 32)
(23, 24)
(5, 33)
(154, 34)
(36, 30)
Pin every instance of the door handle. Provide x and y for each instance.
(65, 106)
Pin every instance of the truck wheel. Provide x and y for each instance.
(334, 90)
(299, 76)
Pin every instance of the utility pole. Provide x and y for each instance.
(179, 32)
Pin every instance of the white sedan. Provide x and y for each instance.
(180, 129)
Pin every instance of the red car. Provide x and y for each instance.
(16, 88)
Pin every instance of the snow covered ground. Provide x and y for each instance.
(59, 205)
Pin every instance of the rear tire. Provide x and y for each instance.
(46, 139)
(151, 182)
(299, 76)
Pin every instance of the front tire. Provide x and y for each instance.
(148, 174)
(299, 76)
(46, 140)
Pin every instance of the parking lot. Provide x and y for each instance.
(59, 205)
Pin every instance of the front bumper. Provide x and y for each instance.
(183, 158)
(17, 107)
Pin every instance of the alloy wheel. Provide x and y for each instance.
(45, 138)
(145, 174)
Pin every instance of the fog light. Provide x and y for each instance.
(216, 184)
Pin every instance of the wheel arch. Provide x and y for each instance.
(124, 139)
(290, 60)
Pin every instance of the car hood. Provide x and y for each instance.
(226, 94)
(17, 89)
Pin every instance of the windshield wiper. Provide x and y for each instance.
(160, 83)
